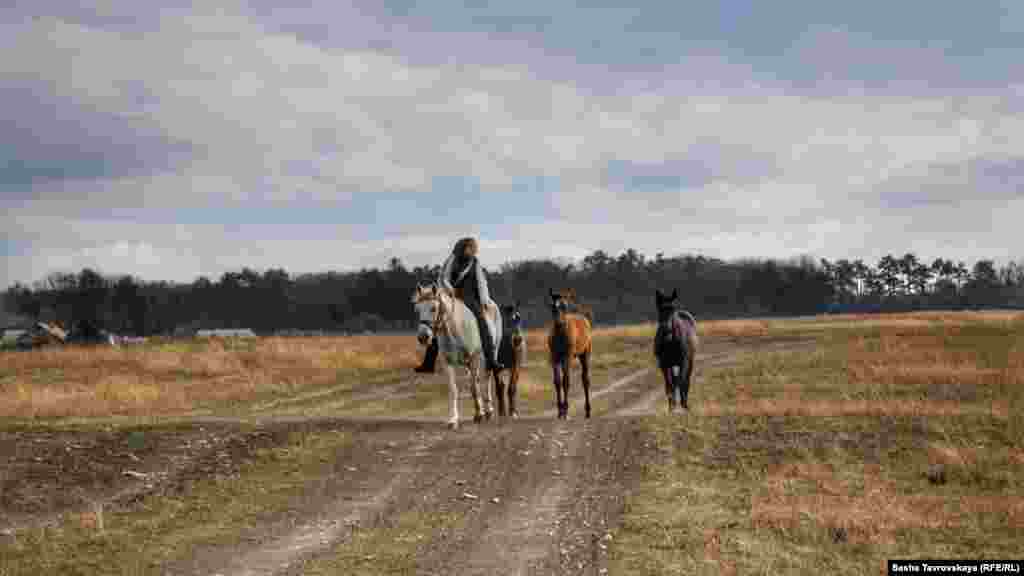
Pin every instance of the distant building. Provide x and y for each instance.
(226, 333)
(11, 335)
(41, 334)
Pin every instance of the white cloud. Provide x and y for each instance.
(275, 120)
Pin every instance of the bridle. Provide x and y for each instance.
(559, 308)
(438, 321)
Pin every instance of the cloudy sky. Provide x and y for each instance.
(168, 140)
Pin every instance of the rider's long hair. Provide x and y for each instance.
(460, 251)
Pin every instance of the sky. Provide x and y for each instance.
(170, 140)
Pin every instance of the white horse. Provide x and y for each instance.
(458, 338)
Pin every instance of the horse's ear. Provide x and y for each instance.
(675, 293)
(572, 293)
(518, 304)
(658, 294)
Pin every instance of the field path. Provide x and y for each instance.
(514, 488)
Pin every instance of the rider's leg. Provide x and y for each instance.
(430, 358)
(485, 336)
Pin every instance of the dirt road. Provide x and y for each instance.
(532, 496)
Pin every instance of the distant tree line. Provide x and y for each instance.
(619, 289)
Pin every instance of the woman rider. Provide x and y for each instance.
(463, 275)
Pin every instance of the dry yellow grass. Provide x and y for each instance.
(174, 377)
(868, 507)
(811, 325)
(870, 511)
(712, 328)
(830, 408)
(177, 377)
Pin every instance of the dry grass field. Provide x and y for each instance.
(870, 437)
(898, 437)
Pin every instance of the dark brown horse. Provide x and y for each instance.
(675, 347)
(511, 354)
(570, 336)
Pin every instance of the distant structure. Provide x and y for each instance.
(39, 335)
(226, 333)
(11, 335)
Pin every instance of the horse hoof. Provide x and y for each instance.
(478, 419)
(453, 425)
(515, 415)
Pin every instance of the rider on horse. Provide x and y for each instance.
(465, 278)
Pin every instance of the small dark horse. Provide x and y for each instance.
(570, 337)
(675, 347)
(512, 355)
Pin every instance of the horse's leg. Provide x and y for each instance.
(677, 394)
(499, 390)
(488, 394)
(585, 369)
(556, 369)
(453, 399)
(512, 382)
(475, 388)
(566, 379)
(666, 374)
(684, 391)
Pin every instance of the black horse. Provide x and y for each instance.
(511, 355)
(675, 347)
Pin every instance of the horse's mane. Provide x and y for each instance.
(586, 311)
(686, 316)
(577, 307)
(671, 322)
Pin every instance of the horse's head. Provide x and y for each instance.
(560, 301)
(431, 304)
(514, 319)
(665, 303)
